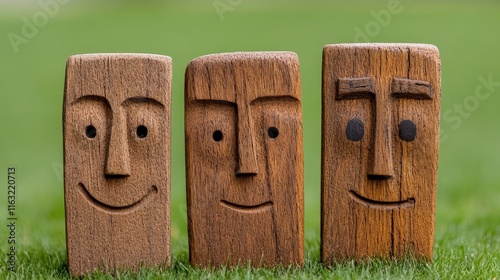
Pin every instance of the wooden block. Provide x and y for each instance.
(380, 146)
(117, 161)
(244, 159)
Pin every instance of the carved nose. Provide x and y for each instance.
(380, 167)
(247, 163)
(117, 161)
(246, 168)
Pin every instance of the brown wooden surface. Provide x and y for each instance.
(244, 192)
(379, 193)
(117, 184)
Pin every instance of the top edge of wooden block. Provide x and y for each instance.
(386, 46)
(131, 56)
(242, 56)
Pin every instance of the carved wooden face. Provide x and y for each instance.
(116, 140)
(244, 158)
(380, 149)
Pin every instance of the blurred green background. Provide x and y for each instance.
(32, 64)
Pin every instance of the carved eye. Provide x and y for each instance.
(407, 130)
(142, 131)
(355, 130)
(217, 136)
(273, 132)
(90, 131)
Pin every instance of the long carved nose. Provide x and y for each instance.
(381, 159)
(117, 160)
(247, 163)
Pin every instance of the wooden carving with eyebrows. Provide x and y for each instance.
(380, 145)
(244, 159)
(117, 161)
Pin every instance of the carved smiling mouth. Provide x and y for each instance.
(383, 205)
(247, 209)
(117, 209)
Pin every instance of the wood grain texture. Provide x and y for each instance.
(380, 143)
(117, 161)
(244, 159)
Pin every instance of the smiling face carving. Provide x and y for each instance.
(116, 139)
(380, 147)
(120, 136)
(244, 159)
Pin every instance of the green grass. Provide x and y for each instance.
(460, 253)
(467, 236)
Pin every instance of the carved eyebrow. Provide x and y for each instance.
(141, 99)
(213, 101)
(91, 97)
(412, 89)
(351, 88)
(287, 98)
(256, 100)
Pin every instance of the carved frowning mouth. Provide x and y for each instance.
(383, 205)
(117, 209)
(246, 208)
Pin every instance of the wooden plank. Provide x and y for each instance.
(244, 159)
(379, 150)
(117, 161)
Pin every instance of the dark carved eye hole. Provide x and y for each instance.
(273, 132)
(90, 131)
(217, 136)
(142, 131)
(355, 130)
(407, 130)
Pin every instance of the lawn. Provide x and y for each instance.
(467, 240)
